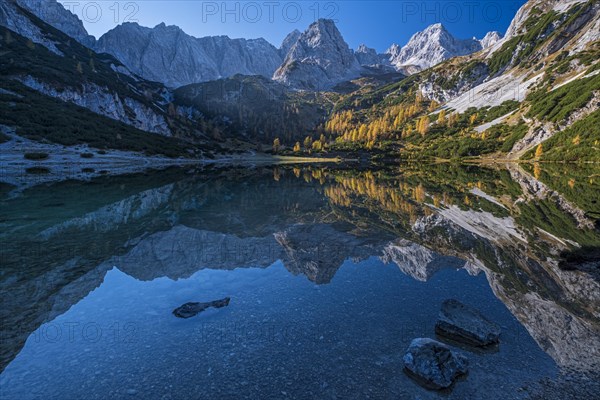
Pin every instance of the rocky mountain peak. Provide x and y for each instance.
(438, 27)
(288, 42)
(393, 50)
(436, 32)
(322, 32)
(362, 48)
(167, 54)
(368, 56)
(319, 59)
(490, 39)
(431, 46)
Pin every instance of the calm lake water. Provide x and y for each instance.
(331, 271)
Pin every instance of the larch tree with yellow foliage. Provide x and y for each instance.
(423, 125)
(441, 117)
(539, 151)
(473, 118)
(433, 105)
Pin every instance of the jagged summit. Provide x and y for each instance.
(319, 59)
(368, 56)
(431, 46)
(167, 54)
(436, 27)
(490, 39)
(289, 41)
(393, 50)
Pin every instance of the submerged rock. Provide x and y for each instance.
(433, 364)
(189, 310)
(465, 324)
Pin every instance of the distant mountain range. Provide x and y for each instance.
(167, 54)
(318, 58)
(434, 45)
(508, 94)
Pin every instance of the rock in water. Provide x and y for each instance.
(189, 310)
(432, 364)
(466, 324)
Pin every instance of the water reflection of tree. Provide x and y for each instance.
(558, 307)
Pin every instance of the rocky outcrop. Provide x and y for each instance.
(319, 59)
(55, 14)
(14, 19)
(463, 82)
(13, 15)
(433, 364)
(529, 9)
(167, 54)
(466, 324)
(105, 102)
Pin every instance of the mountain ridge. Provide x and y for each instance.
(168, 55)
(501, 91)
(165, 53)
(435, 44)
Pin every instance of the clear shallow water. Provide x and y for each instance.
(331, 274)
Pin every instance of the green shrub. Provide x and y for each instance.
(557, 105)
(579, 142)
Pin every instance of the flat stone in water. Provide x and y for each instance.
(433, 364)
(465, 324)
(189, 310)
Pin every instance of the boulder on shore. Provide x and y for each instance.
(465, 324)
(433, 364)
(189, 310)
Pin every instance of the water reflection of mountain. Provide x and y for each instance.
(149, 228)
(312, 219)
(506, 224)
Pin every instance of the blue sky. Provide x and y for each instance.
(378, 24)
